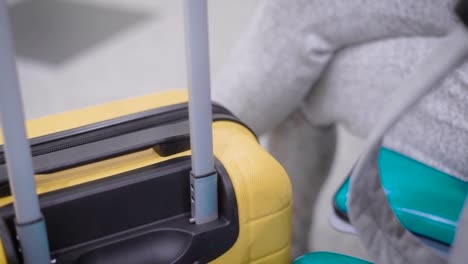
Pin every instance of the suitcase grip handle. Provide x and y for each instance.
(166, 140)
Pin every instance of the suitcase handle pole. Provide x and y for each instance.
(203, 178)
(30, 224)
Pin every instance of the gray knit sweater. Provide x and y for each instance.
(340, 61)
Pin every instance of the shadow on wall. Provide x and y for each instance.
(54, 31)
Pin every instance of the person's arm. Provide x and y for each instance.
(290, 42)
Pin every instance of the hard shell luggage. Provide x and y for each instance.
(136, 181)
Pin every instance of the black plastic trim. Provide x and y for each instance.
(157, 128)
(113, 127)
(173, 146)
(90, 223)
(9, 243)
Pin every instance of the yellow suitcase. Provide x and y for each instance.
(261, 187)
(123, 182)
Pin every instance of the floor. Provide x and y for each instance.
(76, 53)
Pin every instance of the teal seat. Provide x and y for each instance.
(328, 258)
(425, 200)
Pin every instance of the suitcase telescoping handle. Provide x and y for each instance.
(29, 221)
(30, 225)
(203, 177)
